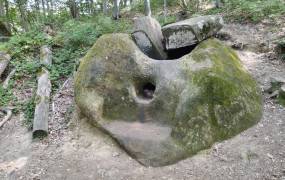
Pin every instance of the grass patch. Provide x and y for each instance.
(250, 10)
(71, 43)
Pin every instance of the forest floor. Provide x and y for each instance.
(76, 150)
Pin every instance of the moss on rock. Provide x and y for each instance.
(203, 97)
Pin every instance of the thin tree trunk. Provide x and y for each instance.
(7, 10)
(2, 8)
(43, 7)
(116, 9)
(184, 4)
(73, 9)
(37, 5)
(51, 6)
(147, 7)
(219, 3)
(48, 8)
(165, 9)
(8, 17)
(22, 9)
(91, 7)
(105, 7)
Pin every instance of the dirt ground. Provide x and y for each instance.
(74, 150)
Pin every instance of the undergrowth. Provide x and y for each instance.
(71, 43)
(250, 10)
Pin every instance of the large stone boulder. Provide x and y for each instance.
(161, 111)
(191, 31)
(148, 36)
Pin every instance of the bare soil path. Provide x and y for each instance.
(75, 150)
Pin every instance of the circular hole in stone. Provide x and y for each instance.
(146, 90)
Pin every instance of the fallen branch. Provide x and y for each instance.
(6, 82)
(8, 111)
(4, 61)
(40, 124)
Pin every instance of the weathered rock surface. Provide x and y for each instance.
(146, 45)
(4, 61)
(164, 111)
(191, 31)
(148, 28)
(282, 95)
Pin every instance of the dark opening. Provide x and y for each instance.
(146, 91)
(146, 45)
(39, 134)
(178, 53)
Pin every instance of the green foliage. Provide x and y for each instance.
(76, 38)
(166, 20)
(79, 34)
(6, 95)
(250, 10)
(29, 109)
(24, 43)
(70, 44)
(156, 5)
(280, 49)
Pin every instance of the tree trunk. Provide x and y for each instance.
(44, 8)
(37, 5)
(7, 15)
(73, 9)
(116, 9)
(219, 3)
(7, 9)
(51, 6)
(165, 9)
(184, 4)
(2, 9)
(147, 7)
(91, 7)
(40, 124)
(105, 6)
(22, 5)
(48, 8)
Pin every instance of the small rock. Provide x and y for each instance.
(238, 45)
(115, 154)
(270, 156)
(224, 36)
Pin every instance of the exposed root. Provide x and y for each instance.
(6, 82)
(8, 112)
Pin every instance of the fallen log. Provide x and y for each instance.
(6, 82)
(46, 55)
(41, 116)
(8, 112)
(4, 61)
